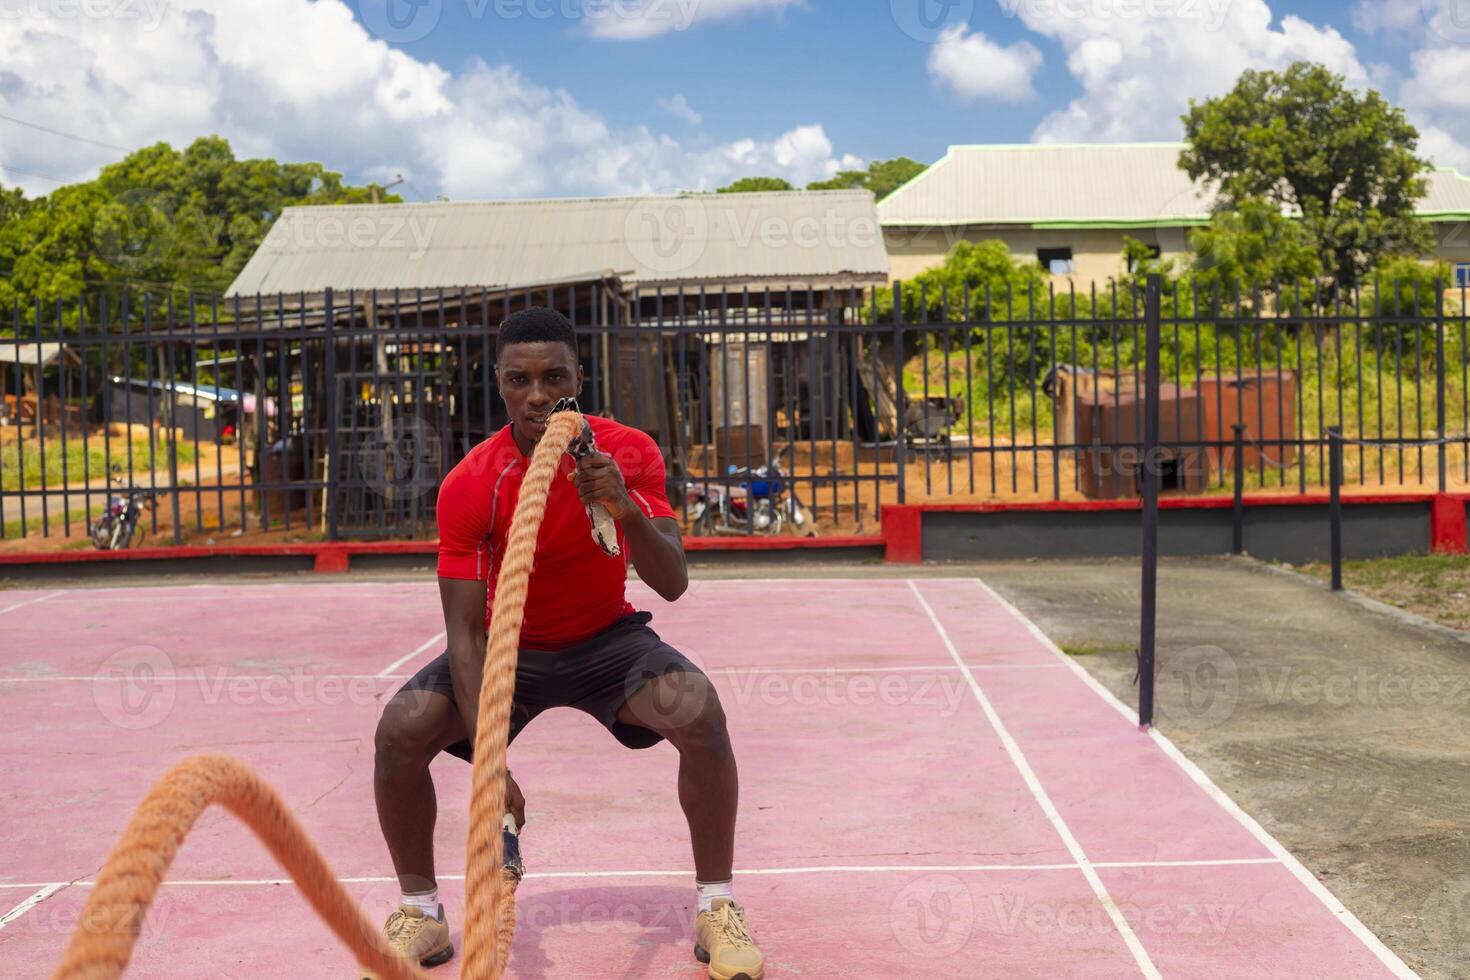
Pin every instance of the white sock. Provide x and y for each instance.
(711, 890)
(428, 901)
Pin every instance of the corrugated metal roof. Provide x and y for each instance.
(796, 236)
(1101, 184)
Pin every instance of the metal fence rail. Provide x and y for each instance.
(337, 415)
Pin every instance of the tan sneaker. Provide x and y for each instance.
(424, 939)
(722, 940)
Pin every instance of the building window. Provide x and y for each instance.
(1057, 261)
(1153, 252)
(1462, 273)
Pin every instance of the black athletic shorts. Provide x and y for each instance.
(597, 676)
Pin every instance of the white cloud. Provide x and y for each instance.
(679, 108)
(301, 80)
(1138, 62)
(1432, 90)
(974, 67)
(635, 20)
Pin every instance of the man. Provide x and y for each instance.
(582, 645)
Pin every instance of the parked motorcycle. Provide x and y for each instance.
(762, 503)
(115, 528)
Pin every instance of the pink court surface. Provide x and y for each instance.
(929, 789)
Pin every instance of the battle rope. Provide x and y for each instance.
(102, 943)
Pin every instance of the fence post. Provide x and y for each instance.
(1439, 413)
(1149, 472)
(900, 408)
(330, 463)
(1334, 453)
(1237, 540)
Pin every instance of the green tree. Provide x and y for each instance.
(1344, 161)
(1252, 249)
(752, 185)
(160, 219)
(882, 177)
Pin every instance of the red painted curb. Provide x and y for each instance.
(1447, 531)
(903, 532)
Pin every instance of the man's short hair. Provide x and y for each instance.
(536, 324)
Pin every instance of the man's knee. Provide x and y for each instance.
(689, 714)
(410, 730)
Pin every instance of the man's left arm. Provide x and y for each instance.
(652, 535)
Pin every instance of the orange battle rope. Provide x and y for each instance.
(103, 941)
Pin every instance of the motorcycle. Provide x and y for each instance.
(115, 528)
(761, 502)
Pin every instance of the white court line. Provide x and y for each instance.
(45, 892)
(386, 671)
(686, 872)
(31, 602)
(204, 675)
(1140, 955)
(1334, 905)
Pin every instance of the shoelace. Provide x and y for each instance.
(731, 926)
(399, 923)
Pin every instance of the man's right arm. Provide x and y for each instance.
(464, 625)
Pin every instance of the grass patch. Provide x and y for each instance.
(1089, 649)
(22, 466)
(1436, 587)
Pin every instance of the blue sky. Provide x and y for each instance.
(515, 98)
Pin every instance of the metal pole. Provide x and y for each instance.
(1148, 470)
(898, 394)
(1334, 451)
(1237, 545)
(331, 456)
(1439, 413)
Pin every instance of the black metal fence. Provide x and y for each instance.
(336, 416)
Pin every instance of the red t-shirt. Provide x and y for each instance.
(576, 590)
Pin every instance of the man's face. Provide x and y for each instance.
(533, 377)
